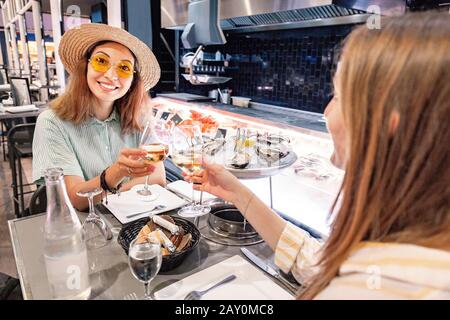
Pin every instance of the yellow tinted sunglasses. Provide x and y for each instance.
(102, 63)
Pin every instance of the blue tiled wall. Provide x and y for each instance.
(291, 68)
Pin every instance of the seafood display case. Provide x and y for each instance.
(287, 167)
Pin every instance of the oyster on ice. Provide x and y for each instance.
(271, 153)
(240, 160)
(213, 146)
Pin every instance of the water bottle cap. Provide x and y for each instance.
(53, 174)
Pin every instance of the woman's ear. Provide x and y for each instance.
(394, 122)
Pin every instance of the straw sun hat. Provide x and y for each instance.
(77, 41)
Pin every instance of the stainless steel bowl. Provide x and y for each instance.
(227, 221)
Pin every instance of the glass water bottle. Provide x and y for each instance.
(65, 250)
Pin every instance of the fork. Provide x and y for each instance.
(196, 295)
(131, 296)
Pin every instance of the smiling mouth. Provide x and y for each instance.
(107, 87)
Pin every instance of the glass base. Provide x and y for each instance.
(193, 211)
(95, 233)
(152, 197)
(96, 241)
(144, 192)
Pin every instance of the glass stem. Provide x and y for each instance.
(193, 195)
(91, 205)
(146, 183)
(147, 290)
(201, 197)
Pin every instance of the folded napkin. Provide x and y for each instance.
(17, 109)
(184, 189)
(129, 202)
(250, 283)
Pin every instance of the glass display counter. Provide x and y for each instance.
(303, 191)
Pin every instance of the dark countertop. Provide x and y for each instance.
(276, 114)
(296, 118)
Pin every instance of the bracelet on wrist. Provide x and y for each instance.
(248, 205)
(104, 185)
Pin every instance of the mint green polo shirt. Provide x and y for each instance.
(82, 150)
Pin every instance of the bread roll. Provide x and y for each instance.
(153, 226)
(177, 238)
(164, 251)
(142, 236)
(184, 242)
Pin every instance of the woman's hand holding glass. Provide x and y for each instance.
(130, 164)
(215, 179)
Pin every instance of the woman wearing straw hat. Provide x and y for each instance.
(92, 130)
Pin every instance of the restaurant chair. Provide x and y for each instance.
(7, 124)
(9, 288)
(38, 202)
(3, 141)
(20, 141)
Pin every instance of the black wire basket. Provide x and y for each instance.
(130, 231)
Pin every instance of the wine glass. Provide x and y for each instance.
(155, 140)
(97, 233)
(145, 260)
(187, 154)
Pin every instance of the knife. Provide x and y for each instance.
(263, 265)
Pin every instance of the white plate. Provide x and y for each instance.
(250, 284)
(129, 203)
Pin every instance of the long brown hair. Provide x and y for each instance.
(397, 185)
(77, 102)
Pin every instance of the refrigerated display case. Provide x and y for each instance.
(303, 191)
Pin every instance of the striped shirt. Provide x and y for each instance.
(372, 271)
(83, 150)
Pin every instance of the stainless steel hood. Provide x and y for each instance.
(259, 15)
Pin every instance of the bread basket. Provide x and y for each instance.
(129, 232)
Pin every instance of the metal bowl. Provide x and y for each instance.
(227, 221)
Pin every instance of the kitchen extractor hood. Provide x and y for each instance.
(260, 15)
(203, 26)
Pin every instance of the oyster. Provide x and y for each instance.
(240, 160)
(213, 146)
(272, 153)
(272, 139)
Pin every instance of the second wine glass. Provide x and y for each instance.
(187, 154)
(153, 141)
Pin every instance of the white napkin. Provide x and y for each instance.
(25, 108)
(250, 283)
(185, 189)
(130, 202)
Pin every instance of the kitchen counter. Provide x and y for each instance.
(302, 122)
(280, 115)
(292, 117)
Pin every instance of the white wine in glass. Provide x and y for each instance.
(152, 141)
(155, 152)
(188, 160)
